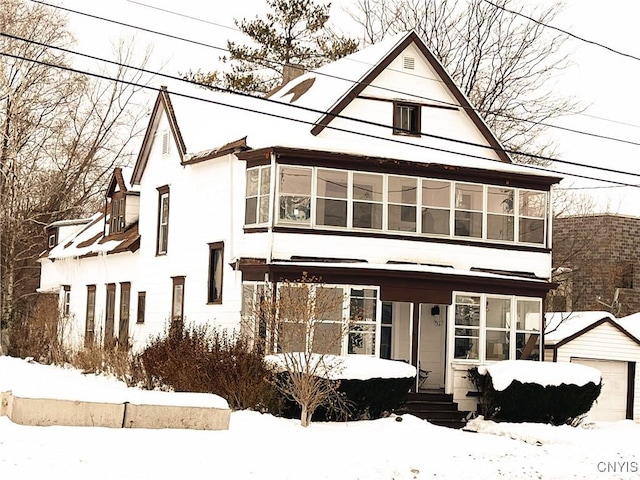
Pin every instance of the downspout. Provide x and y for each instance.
(232, 211)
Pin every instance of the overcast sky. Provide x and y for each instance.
(603, 81)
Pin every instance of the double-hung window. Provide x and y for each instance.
(436, 207)
(90, 321)
(533, 206)
(367, 200)
(362, 314)
(500, 213)
(467, 326)
(163, 220)
(469, 205)
(216, 257)
(402, 200)
(66, 300)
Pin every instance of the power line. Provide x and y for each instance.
(565, 32)
(274, 63)
(321, 112)
(283, 117)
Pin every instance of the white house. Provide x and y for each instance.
(599, 340)
(373, 173)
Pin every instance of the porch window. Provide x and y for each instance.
(257, 195)
(89, 327)
(498, 328)
(467, 326)
(162, 237)
(332, 187)
(362, 316)
(500, 213)
(493, 327)
(468, 210)
(402, 199)
(367, 200)
(294, 185)
(436, 207)
(533, 206)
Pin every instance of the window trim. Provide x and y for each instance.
(260, 196)
(162, 232)
(215, 247)
(110, 315)
(66, 300)
(117, 215)
(124, 312)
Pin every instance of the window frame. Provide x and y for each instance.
(454, 210)
(110, 314)
(141, 307)
(413, 130)
(90, 316)
(162, 232)
(66, 300)
(512, 329)
(262, 194)
(213, 272)
(124, 313)
(178, 286)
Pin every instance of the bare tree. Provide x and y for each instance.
(303, 324)
(504, 63)
(60, 135)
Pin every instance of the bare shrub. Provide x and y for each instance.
(117, 362)
(199, 358)
(304, 322)
(40, 332)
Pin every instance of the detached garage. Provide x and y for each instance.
(598, 340)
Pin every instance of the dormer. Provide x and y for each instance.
(122, 203)
(59, 231)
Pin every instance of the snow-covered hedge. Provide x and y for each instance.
(541, 392)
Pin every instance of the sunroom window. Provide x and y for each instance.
(500, 213)
(533, 208)
(257, 195)
(367, 200)
(331, 202)
(362, 314)
(528, 329)
(467, 326)
(295, 195)
(402, 198)
(498, 328)
(436, 207)
(468, 210)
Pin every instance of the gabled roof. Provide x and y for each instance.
(301, 115)
(350, 75)
(120, 178)
(562, 327)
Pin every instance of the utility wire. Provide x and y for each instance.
(322, 112)
(274, 63)
(565, 32)
(311, 123)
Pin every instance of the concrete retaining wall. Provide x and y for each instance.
(47, 412)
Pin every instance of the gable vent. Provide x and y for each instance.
(165, 143)
(408, 63)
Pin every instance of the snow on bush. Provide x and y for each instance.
(336, 367)
(542, 373)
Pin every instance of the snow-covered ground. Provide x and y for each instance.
(263, 447)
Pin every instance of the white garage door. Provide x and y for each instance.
(612, 402)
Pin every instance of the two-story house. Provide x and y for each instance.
(373, 173)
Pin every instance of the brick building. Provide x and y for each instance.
(596, 261)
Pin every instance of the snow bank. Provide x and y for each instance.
(48, 381)
(335, 367)
(542, 373)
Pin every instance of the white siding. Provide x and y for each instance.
(605, 342)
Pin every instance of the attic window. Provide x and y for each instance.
(406, 119)
(52, 239)
(166, 144)
(409, 63)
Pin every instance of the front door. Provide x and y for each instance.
(432, 341)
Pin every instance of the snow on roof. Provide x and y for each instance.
(561, 325)
(48, 381)
(631, 323)
(69, 223)
(541, 373)
(352, 367)
(92, 241)
(208, 119)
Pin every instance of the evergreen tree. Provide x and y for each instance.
(294, 33)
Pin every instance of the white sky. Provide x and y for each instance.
(262, 447)
(604, 82)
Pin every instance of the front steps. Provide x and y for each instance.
(437, 407)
